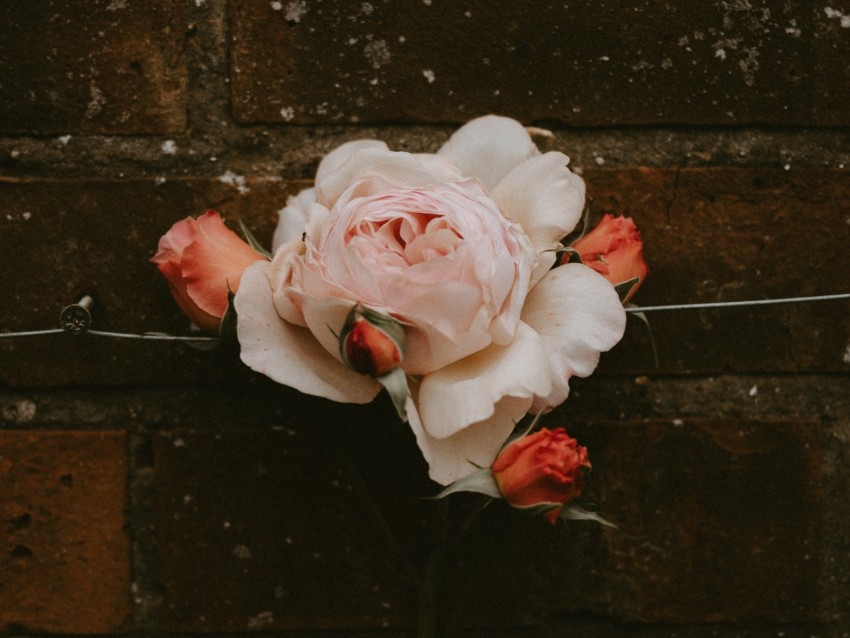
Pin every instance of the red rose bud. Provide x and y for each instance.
(614, 249)
(542, 468)
(371, 343)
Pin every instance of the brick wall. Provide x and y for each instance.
(161, 489)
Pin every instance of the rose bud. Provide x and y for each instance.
(544, 468)
(614, 249)
(201, 259)
(371, 343)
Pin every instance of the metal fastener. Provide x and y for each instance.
(76, 318)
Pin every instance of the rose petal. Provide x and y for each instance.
(467, 391)
(335, 169)
(578, 315)
(290, 354)
(489, 148)
(292, 219)
(213, 263)
(475, 446)
(546, 199)
(386, 170)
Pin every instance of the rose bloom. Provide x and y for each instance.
(201, 259)
(615, 250)
(457, 247)
(545, 467)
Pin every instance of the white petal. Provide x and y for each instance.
(489, 148)
(578, 315)
(547, 200)
(467, 391)
(290, 354)
(378, 169)
(334, 170)
(293, 218)
(475, 446)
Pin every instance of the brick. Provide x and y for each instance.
(583, 64)
(270, 530)
(64, 550)
(711, 235)
(78, 66)
(719, 519)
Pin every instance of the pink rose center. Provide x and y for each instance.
(410, 237)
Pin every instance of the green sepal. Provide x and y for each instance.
(227, 327)
(625, 287)
(518, 433)
(203, 343)
(538, 509)
(252, 241)
(572, 252)
(388, 325)
(395, 383)
(578, 513)
(481, 481)
(642, 316)
(392, 327)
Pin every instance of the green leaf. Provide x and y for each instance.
(521, 432)
(625, 287)
(252, 241)
(395, 383)
(642, 316)
(572, 252)
(227, 327)
(481, 481)
(578, 513)
(199, 345)
(538, 509)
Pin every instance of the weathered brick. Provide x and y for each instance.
(271, 530)
(64, 550)
(81, 66)
(719, 519)
(582, 63)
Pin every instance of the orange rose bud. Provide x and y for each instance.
(202, 260)
(371, 343)
(545, 467)
(614, 249)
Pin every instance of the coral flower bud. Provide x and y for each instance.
(614, 249)
(202, 260)
(544, 468)
(371, 343)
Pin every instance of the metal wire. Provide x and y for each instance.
(149, 336)
(738, 304)
(157, 336)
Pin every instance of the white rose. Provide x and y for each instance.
(456, 247)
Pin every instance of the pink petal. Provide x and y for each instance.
(489, 148)
(293, 218)
(578, 315)
(475, 446)
(213, 263)
(289, 354)
(467, 391)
